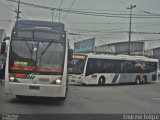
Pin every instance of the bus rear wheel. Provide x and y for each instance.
(62, 98)
(20, 96)
(101, 81)
(83, 84)
(144, 79)
(138, 80)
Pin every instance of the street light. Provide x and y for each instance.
(131, 7)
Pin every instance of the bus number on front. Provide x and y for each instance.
(43, 79)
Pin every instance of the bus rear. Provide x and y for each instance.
(37, 62)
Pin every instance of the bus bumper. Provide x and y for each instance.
(76, 80)
(84, 81)
(38, 90)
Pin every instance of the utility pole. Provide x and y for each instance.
(129, 42)
(59, 17)
(17, 11)
(52, 12)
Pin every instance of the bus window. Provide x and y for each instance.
(76, 66)
(90, 67)
(150, 67)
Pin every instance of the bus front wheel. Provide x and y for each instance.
(138, 80)
(83, 84)
(101, 81)
(20, 96)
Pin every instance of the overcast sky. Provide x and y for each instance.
(105, 29)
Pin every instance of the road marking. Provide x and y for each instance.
(156, 98)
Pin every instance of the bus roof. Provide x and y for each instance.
(37, 23)
(118, 57)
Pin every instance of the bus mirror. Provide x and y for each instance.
(6, 38)
(3, 48)
(70, 53)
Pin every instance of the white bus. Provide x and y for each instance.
(37, 59)
(112, 69)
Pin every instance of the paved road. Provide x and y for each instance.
(90, 99)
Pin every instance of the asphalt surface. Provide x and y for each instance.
(125, 98)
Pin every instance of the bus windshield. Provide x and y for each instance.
(77, 66)
(43, 57)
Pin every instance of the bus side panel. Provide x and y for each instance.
(109, 78)
(131, 77)
(127, 77)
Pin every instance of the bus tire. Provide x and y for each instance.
(101, 81)
(138, 80)
(62, 98)
(19, 96)
(83, 84)
(144, 79)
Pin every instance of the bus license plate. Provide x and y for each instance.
(34, 87)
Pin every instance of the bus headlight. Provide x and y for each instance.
(11, 79)
(58, 81)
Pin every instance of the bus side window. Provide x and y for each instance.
(99, 66)
(117, 65)
(111, 66)
(105, 66)
(130, 66)
(150, 66)
(124, 67)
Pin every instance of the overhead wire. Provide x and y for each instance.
(11, 5)
(7, 7)
(88, 12)
(102, 14)
(112, 23)
(15, 8)
(113, 29)
(58, 10)
(99, 10)
(108, 14)
(144, 11)
(109, 31)
(7, 20)
(147, 12)
(121, 2)
(69, 9)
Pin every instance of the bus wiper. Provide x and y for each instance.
(46, 48)
(28, 46)
(30, 49)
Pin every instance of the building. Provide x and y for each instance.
(146, 48)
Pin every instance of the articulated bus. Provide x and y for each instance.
(37, 60)
(112, 69)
